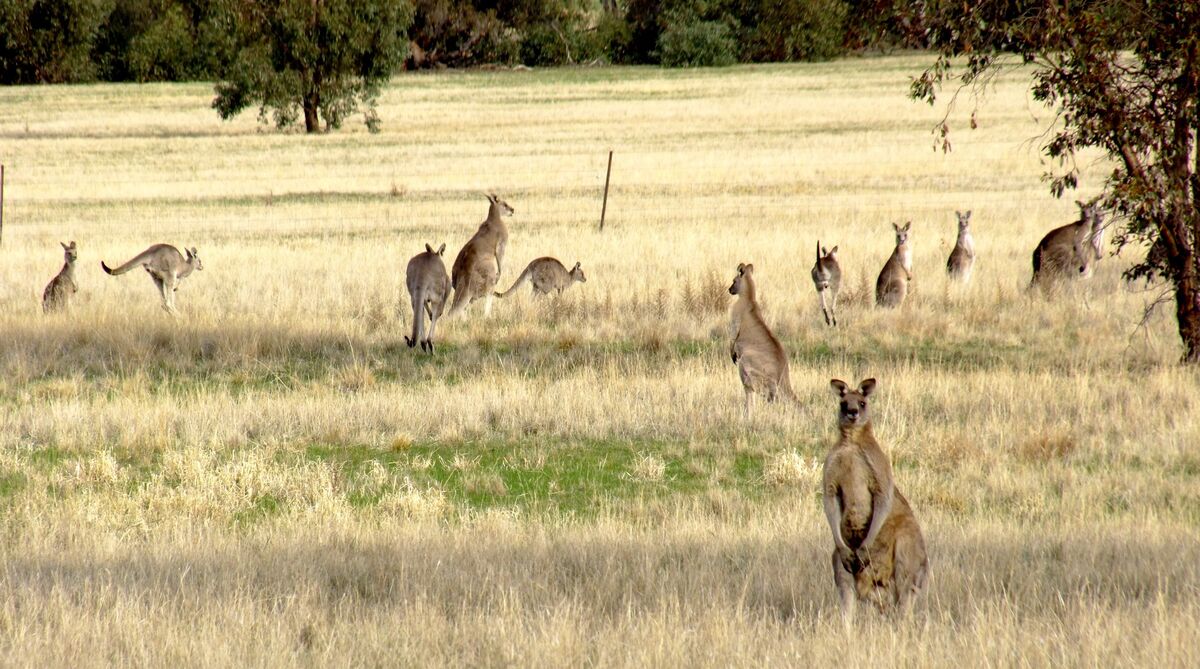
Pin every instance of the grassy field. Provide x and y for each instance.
(273, 478)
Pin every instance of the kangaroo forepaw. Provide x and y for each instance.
(411, 342)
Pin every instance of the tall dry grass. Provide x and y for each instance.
(274, 478)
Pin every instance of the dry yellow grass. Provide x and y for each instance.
(275, 479)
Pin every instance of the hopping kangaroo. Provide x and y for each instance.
(892, 285)
(166, 266)
(429, 288)
(762, 364)
(879, 554)
(62, 287)
(478, 265)
(1070, 250)
(827, 277)
(547, 275)
(962, 258)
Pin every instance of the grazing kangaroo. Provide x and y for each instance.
(827, 277)
(962, 258)
(429, 287)
(1071, 250)
(892, 285)
(166, 266)
(762, 364)
(879, 553)
(57, 295)
(547, 275)
(478, 265)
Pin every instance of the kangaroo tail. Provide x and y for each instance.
(461, 299)
(137, 260)
(818, 250)
(520, 280)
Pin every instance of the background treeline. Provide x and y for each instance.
(54, 41)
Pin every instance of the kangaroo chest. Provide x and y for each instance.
(857, 497)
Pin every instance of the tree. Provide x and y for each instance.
(319, 58)
(49, 41)
(1120, 75)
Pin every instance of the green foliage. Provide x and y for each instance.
(692, 32)
(786, 30)
(49, 41)
(697, 43)
(320, 61)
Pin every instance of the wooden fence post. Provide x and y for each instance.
(607, 176)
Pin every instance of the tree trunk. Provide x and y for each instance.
(311, 122)
(1187, 310)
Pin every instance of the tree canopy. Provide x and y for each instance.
(317, 59)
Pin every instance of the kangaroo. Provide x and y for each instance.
(166, 267)
(429, 288)
(762, 363)
(473, 275)
(1070, 250)
(892, 285)
(827, 277)
(62, 287)
(962, 258)
(548, 275)
(879, 553)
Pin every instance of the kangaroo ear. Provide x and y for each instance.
(72, 243)
(442, 248)
(741, 268)
(839, 387)
(748, 268)
(65, 247)
(896, 226)
(907, 226)
(968, 214)
(428, 249)
(578, 264)
(867, 387)
(958, 213)
(1080, 204)
(194, 251)
(833, 251)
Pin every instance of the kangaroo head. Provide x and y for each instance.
(577, 273)
(852, 407)
(902, 232)
(964, 220)
(193, 258)
(499, 207)
(70, 251)
(743, 283)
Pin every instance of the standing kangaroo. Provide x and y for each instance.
(548, 275)
(879, 553)
(166, 266)
(892, 285)
(478, 265)
(962, 258)
(827, 277)
(762, 364)
(429, 288)
(1071, 250)
(62, 287)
